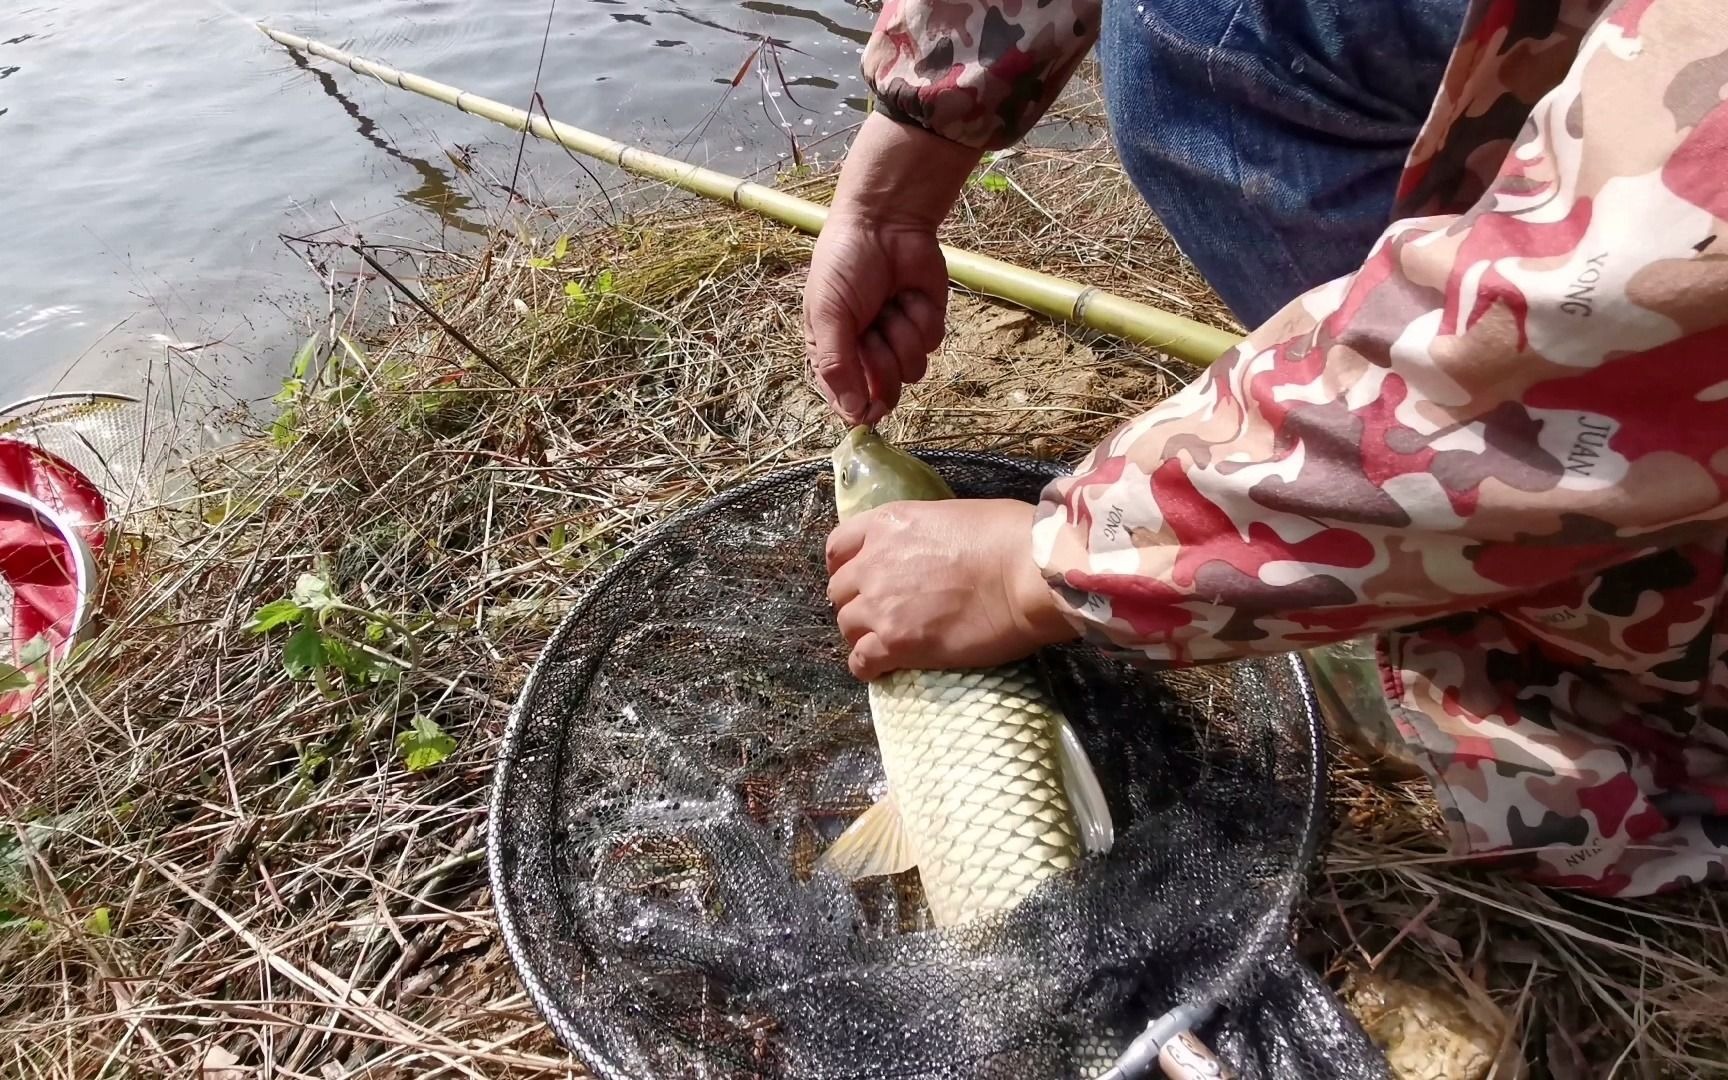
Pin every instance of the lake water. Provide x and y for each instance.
(153, 152)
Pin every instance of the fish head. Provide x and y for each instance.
(868, 473)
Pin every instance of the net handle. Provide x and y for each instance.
(1170, 1040)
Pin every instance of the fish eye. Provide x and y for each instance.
(849, 475)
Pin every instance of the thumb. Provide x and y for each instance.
(831, 350)
(869, 658)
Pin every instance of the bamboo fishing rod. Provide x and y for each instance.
(1046, 294)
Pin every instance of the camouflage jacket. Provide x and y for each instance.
(1500, 447)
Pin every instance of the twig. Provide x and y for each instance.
(435, 317)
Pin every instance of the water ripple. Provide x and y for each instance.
(154, 151)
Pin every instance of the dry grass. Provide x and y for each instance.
(283, 896)
(1580, 986)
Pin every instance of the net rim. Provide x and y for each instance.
(566, 1028)
(122, 460)
(22, 404)
(83, 560)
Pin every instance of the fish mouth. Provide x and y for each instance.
(851, 441)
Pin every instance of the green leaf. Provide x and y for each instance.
(290, 392)
(603, 283)
(375, 632)
(355, 351)
(425, 745)
(302, 365)
(13, 679)
(539, 262)
(559, 537)
(34, 652)
(993, 182)
(313, 593)
(575, 291)
(311, 761)
(348, 660)
(304, 652)
(230, 508)
(283, 430)
(100, 922)
(357, 663)
(351, 395)
(16, 920)
(561, 248)
(274, 614)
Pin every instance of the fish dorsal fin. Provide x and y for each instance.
(874, 845)
(1091, 812)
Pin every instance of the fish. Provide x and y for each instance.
(989, 790)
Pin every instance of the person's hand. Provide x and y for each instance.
(941, 585)
(874, 308)
(877, 295)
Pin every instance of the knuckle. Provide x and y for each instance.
(898, 632)
(829, 362)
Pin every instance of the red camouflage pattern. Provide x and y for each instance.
(1500, 447)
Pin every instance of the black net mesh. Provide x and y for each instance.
(691, 740)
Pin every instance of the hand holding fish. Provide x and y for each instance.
(873, 313)
(877, 296)
(941, 585)
(989, 790)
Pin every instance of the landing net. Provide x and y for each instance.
(690, 741)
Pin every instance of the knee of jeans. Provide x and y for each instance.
(1140, 52)
(1164, 117)
(1173, 27)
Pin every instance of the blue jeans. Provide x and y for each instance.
(1269, 135)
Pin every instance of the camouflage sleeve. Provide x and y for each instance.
(1526, 392)
(977, 72)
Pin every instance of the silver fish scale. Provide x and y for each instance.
(971, 758)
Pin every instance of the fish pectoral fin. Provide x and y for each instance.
(1091, 812)
(874, 845)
